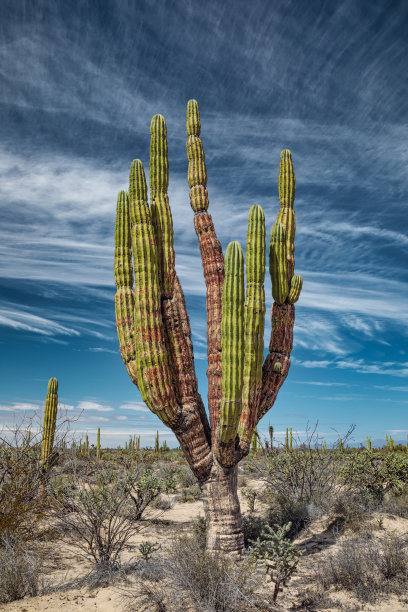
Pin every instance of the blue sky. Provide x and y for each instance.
(79, 83)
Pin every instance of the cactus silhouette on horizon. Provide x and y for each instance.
(154, 329)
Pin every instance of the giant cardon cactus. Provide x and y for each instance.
(154, 330)
(50, 421)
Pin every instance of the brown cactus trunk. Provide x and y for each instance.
(223, 511)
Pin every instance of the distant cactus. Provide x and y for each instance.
(154, 330)
(50, 421)
(271, 435)
(98, 444)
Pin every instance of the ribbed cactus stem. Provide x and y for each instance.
(50, 420)
(154, 371)
(287, 439)
(278, 265)
(232, 333)
(211, 257)
(159, 204)
(270, 428)
(295, 288)
(290, 439)
(157, 443)
(286, 215)
(254, 321)
(98, 444)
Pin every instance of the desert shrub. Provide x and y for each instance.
(252, 527)
(199, 528)
(98, 515)
(162, 503)
(366, 567)
(397, 503)
(375, 473)
(250, 496)
(190, 494)
(19, 571)
(21, 478)
(185, 477)
(143, 490)
(211, 583)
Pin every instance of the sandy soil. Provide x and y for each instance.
(64, 564)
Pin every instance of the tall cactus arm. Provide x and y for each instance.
(50, 420)
(285, 293)
(159, 204)
(192, 430)
(154, 372)
(254, 317)
(124, 298)
(232, 327)
(212, 259)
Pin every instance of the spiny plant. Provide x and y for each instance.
(50, 421)
(154, 330)
(98, 444)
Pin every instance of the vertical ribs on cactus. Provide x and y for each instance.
(50, 421)
(154, 329)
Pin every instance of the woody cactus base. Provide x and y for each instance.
(154, 329)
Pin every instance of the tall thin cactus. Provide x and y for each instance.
(154, 330)
(50, 421)
(98, 444)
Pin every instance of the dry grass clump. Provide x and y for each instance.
(367, 567)
(192, 579)
(19, 572)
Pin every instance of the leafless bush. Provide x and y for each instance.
(211, 583)
(20, 480)
(99, 516)
(366, 567)
(19, 572)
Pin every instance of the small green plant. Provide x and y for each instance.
(277, 553)
(148, 548)
(250, 496)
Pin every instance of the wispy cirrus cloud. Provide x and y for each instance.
(17, 319)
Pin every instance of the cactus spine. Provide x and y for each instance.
(50, 421)
(154, 330)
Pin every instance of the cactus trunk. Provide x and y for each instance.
(223, 511)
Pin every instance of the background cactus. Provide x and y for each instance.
(154, 330)
(98, 444)
(50, 421)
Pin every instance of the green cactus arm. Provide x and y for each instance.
(283, 313)
(176, 322)
(124, 298)
(50, 420)
(254, 317)
(232, 328)
(286, 214)
(295, 288)
(154, 371)
(278, 263)
(212, 259)
(159, 204)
